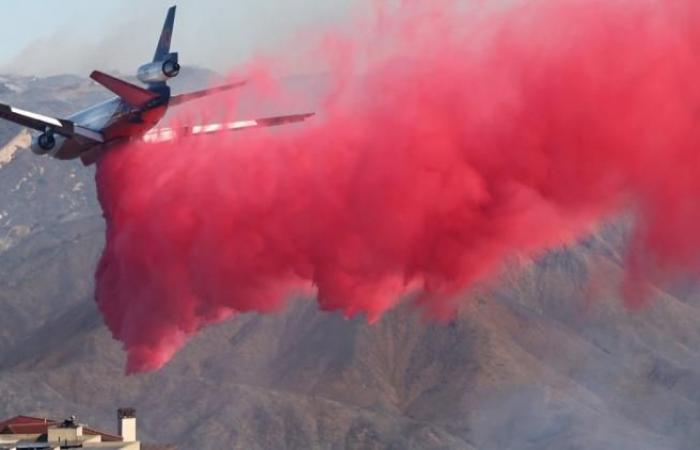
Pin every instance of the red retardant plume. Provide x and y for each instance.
(457, 136)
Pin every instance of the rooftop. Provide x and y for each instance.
(40, 426)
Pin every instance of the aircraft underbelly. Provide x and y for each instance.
(71, 149)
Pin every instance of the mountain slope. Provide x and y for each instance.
(546, 358)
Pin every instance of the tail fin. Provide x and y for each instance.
(166, 35)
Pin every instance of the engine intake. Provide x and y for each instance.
(46, 142)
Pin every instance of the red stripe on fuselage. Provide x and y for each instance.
(135, 124)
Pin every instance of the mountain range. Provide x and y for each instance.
(546, 357)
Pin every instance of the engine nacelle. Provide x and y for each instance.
(159, 71)
(44, 143)
(171, 68)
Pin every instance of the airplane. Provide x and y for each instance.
(133, 114)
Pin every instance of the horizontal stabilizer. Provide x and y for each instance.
(170, 134)
(176, 100)
(134, 95)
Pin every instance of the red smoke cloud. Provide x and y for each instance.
(473, 133)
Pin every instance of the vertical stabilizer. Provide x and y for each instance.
(166, 35)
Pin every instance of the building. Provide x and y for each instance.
(34, 433)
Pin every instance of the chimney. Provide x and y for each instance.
(127, 424)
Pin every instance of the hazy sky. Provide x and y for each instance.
(75, 36)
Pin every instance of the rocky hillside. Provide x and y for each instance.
(545, 359)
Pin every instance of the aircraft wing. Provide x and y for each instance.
(158, 135)
(41, 122)
(176, 100)
(168, 134)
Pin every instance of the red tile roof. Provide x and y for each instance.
(24, 420)
(37, 425)
(25, 425)
(106, 437)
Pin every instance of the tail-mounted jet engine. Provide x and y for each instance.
(159, 71)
